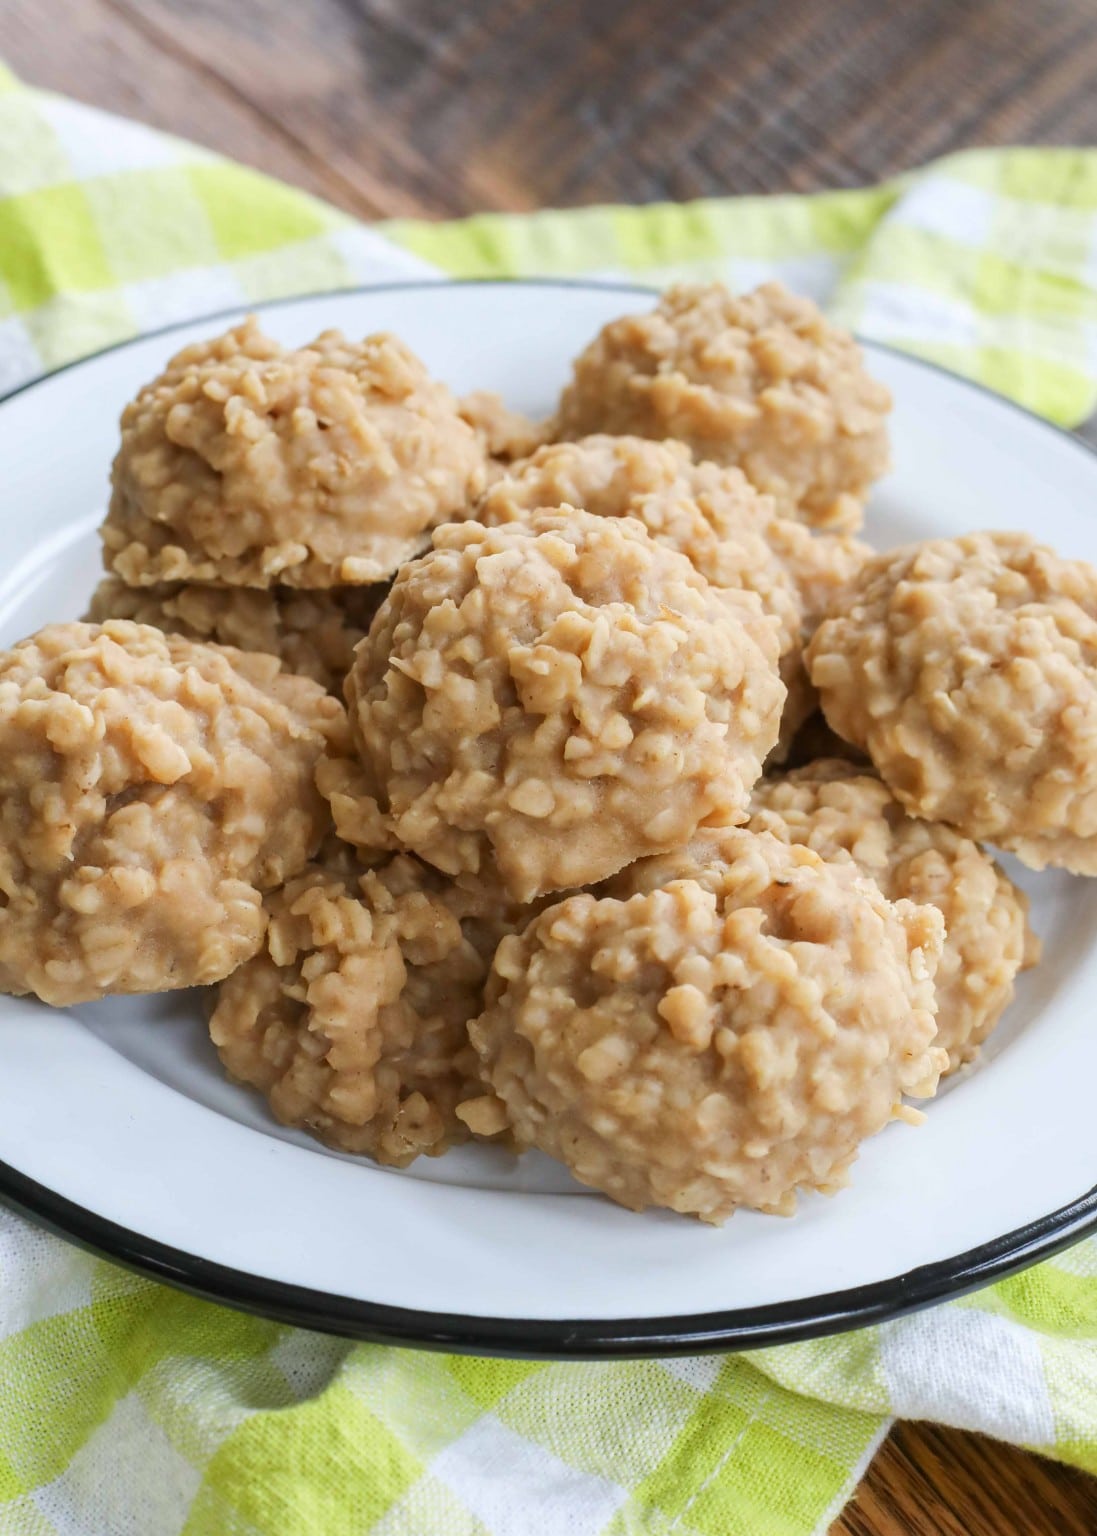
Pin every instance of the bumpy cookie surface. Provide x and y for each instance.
(759, 380)
(708, 1046)
(251, 464)
(711, 514)
(554, 698)
(150, 790)
(352, 1020)
(312, 633)
(967, 669)
(842, 813)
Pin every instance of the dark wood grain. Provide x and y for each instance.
(928, 1481)
(442, 107)
(433, 107)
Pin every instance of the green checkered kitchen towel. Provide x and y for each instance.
(129, 1408)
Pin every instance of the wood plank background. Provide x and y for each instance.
(443, 107)
(440, 107)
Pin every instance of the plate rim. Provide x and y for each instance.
(544, 1339)
(789, 1322)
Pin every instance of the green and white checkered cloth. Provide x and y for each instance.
(127, 1409)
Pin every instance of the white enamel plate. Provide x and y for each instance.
(118, 1129)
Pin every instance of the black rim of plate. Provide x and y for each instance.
(532, 1338)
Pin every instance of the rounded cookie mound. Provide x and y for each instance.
(842, 813)
(967, 669)
(150, 790)
(312, 633)
(552, 699)
(708, 512)
(759, 380)
(250, 464)
(352, 1020)
(706, 1048)
(713, 516)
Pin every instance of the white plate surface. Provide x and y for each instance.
(119, 1114)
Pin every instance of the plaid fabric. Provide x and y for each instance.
(985, 261)
(127, 1409)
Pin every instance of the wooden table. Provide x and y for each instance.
(441, 107)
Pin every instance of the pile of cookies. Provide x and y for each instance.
(650, 834)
